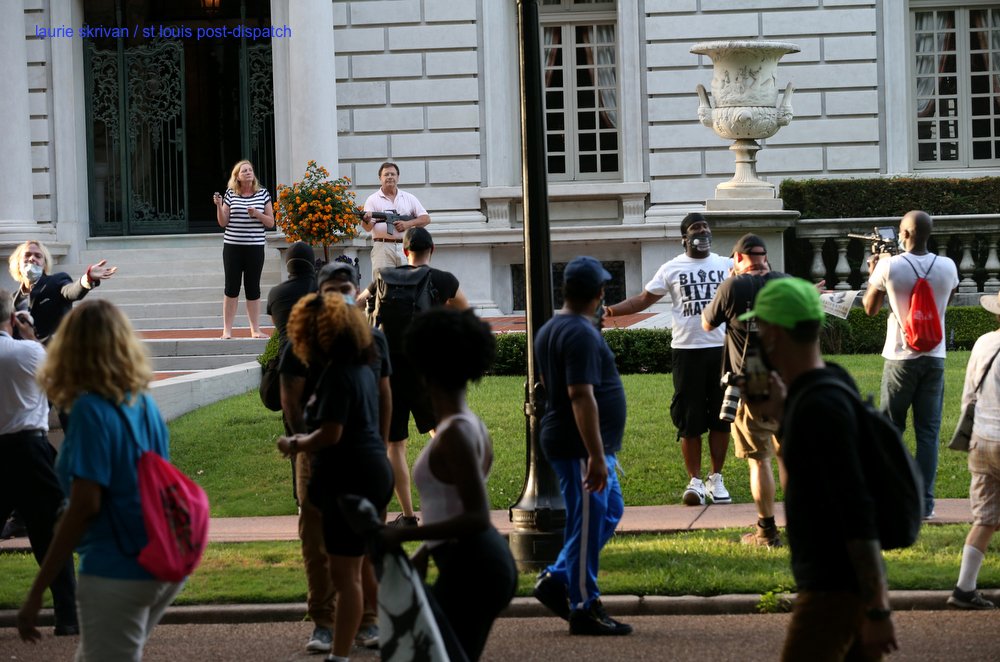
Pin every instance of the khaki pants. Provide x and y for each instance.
(386, 254)
(754, 438)
(320, 594)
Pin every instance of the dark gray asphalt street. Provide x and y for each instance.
(931, 636)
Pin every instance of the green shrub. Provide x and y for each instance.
(512, 354)
(270, 351)
(860, 334)
(636, 351)
(890, 196)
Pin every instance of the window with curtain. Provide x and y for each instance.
(581, 89)
(956, 72)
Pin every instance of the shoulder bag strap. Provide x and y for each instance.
(989, 365)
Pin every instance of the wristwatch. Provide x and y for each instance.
(878, 614)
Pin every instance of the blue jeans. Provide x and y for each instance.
(917, 383)
(591, 519)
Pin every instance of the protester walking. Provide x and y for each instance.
(841, 611)
(98, 369)
(982, 388)
(476, 573)
(581, 434)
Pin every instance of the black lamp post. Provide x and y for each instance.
(540, 513)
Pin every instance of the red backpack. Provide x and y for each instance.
(922, 328)
(175, 512)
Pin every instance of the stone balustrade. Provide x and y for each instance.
(970, 240)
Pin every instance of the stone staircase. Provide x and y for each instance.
(170, 287)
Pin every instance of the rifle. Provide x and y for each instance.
(386, 216)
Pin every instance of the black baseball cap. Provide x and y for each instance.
(417, 240)
(746, 244)
(338, 270)
(300, 258)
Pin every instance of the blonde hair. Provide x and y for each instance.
(325, 327)
(234, 183)
(95, 350)
(15, 259)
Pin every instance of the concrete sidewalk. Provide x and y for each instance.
(637, 519)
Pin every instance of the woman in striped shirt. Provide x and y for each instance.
(245, 211)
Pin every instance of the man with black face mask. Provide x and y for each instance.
(691, 280)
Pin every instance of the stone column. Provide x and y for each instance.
(305, 88)
(967, 266)
(992, 265)
(843, 268)
(818, 269)
(17, 212)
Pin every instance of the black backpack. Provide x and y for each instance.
(891, 473)
(401, 293)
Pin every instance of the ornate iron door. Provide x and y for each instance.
(138, 173)
(259, 86)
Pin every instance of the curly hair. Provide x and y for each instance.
(95, 350)
(324, 327)
(234, 182)
(15, 259)
(449, 347)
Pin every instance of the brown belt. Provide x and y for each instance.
(387, 240)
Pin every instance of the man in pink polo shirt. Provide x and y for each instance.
(387, 238)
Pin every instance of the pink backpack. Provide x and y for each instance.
(175, 512)
(922, 326)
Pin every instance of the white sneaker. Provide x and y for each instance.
(694, 495)
(717, 492)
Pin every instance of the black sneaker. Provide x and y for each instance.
(66, 630)
(14, 527)
(594, 621)
(969, 600)
(403, 520)
(553, 594)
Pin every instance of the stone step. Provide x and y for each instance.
(188, 322)
(212, 294)
(183, 279)
(196, 363)
(197, 347)
(154, 265)
(141, 255)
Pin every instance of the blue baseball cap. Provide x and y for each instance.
(586, 271)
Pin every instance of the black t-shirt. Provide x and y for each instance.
(290, 365)
(444, 283)
(733, 298)
(283, 297)
(827, 501)
(346, 394)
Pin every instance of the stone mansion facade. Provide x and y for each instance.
(127, 131)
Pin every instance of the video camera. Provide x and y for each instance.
(883, 240)
(386, 216)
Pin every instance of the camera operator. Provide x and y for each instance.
(754, 438)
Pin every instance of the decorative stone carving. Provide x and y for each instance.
(747, 105)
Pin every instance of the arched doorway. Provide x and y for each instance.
(170, 110)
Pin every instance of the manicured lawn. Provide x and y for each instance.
(229, 447)
(695, 563)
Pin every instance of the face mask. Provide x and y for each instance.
(701, 242)
(598, 319)
(32, 272)
(348, 299)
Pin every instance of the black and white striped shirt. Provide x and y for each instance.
(242, 229)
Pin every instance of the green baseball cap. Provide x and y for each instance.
(786, 302)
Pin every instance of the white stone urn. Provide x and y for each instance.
(747, 105)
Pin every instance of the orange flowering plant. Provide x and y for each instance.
(317, 210)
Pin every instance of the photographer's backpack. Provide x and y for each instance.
(922, 327)
(891, 473)
(401, 293)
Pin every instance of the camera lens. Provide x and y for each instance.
(730, 403)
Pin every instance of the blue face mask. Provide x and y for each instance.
(349, 299)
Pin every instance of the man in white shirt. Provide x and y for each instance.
(911, 378)
(27, 475)
(387, 238)
(691, 280)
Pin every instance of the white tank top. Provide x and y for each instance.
(440, 501)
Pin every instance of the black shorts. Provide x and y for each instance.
(409, 395)
(369, 476)
(246, 263)
(697, 394)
